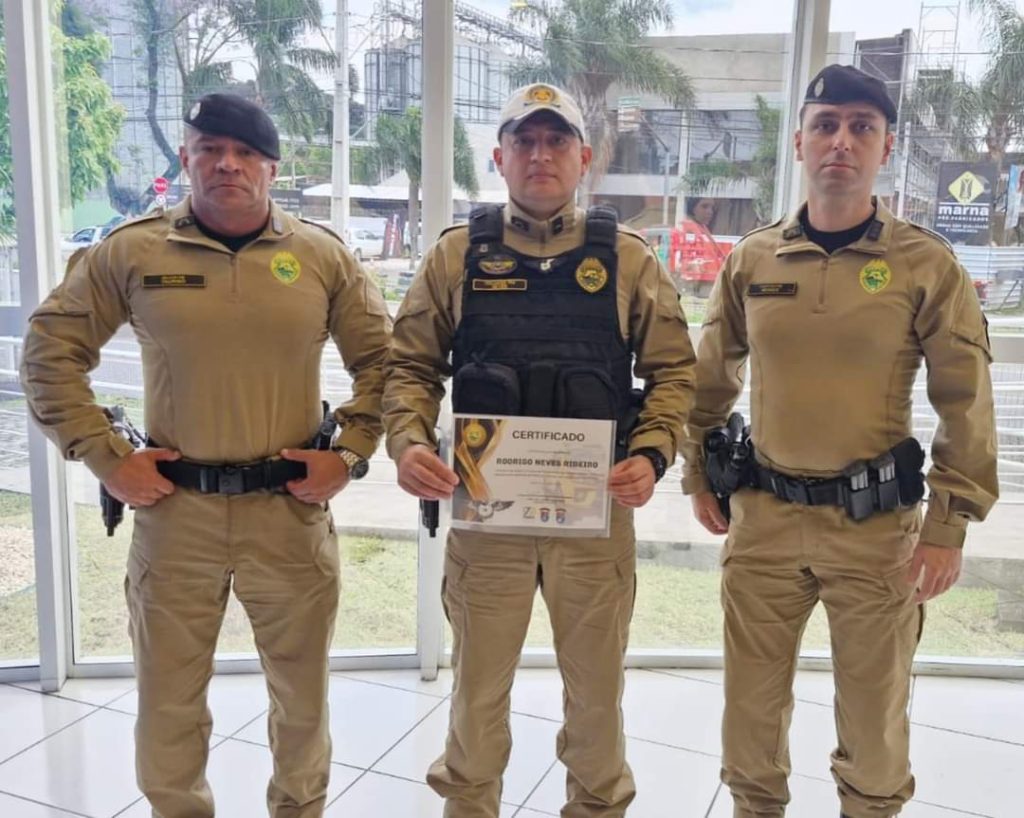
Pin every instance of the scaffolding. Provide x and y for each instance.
(485, 48)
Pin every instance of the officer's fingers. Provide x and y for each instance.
(914, 570)
(162, 454)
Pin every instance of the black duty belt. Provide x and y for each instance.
(231, 479)
(865, 487)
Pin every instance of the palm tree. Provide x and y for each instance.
(589, 45)
(1001, 92)
(398, 140)
(274, 29)
(711, 175)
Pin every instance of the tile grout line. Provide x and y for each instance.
(366, 771)
(536, 787)
(714, 798)
(51, 735)
(44, 804)
(341, 675)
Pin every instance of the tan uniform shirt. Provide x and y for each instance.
(650, 318)
(231, 342)
(834, 344)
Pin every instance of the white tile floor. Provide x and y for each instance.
(71, 754)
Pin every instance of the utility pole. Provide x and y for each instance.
(339, 154)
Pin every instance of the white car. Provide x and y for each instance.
(364, 243)
(84, 237)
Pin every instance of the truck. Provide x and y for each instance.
(690, 254)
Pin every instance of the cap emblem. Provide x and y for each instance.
(542, 95)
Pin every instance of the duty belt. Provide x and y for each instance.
(231, 479)
(864, 488)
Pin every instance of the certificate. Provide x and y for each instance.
(532, 476)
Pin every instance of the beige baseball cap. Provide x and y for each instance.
(531, 99)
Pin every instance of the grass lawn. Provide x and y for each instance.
(675, 607)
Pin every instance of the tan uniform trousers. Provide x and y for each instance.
(588, 586)
(779, 560)
(281, 557)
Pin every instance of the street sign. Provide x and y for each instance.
(160, 185)
(629, 114)
(965, 199)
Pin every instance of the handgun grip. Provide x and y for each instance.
(430, 512)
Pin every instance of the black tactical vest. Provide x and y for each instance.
(540, 336)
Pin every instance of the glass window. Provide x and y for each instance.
(19, 633)
(143, 85)
(948, 69)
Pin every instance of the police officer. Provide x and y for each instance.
(582, 302)
(835, 306)
(231, 300)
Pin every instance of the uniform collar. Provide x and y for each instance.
(183, 225)
(561, 224)
(875, 240)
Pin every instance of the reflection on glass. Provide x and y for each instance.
(146, 70)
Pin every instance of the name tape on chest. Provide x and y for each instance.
(173, 280)
(780, 288)
(500, 285)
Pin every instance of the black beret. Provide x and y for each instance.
(237, 117)
(839, 84)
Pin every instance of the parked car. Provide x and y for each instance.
(364, 243)
(87, 235)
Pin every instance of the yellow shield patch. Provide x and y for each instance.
(875, 276)
(591, 275)
(285, 267)
(543, 95)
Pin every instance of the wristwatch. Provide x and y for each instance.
(657, 460)
(357, 465)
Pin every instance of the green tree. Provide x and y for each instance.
(275, 30)
(89, 119)
(709, 176)
(1001, 90)
(397, 146)
(589, 45)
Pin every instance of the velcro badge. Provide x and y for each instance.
(173, 280)
(772, 289)
(499, 284)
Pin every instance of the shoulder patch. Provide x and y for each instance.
(149, 216)
(937, 236)
(761, 229)
(452, 227)
(629, 231)
(328, 230)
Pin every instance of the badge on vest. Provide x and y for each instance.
(774, 288)
(591, 275)
(285, 267)
(173, 280)
(875, 276)
(498, 265)
(499, 285)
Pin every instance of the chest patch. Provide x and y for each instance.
(285, 267)
(875, 276)
(499, 285)
(173, 280)
(591, 275)
(772, 288)
(498, 265)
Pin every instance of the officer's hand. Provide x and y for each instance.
(326, 475)
(631, 481)
(137, 482)
(423, 474)
(934, 570)
(708, 513)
